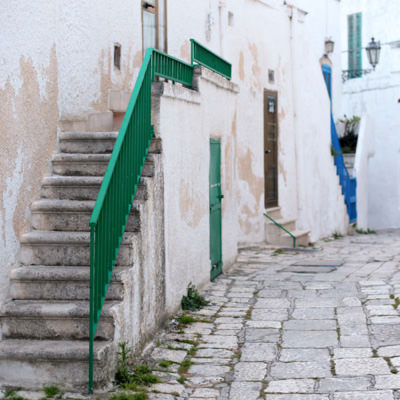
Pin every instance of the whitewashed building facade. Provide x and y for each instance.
(374, 97)
(67, 71)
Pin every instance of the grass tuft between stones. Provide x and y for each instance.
(193, 301)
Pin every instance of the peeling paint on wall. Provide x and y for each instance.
(241, 66)
(28, 127)
(191, 208)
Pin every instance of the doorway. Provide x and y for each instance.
(271, 148)
(215, 209)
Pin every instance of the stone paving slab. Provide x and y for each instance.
(279, 335)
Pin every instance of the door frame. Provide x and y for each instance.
(275, 202)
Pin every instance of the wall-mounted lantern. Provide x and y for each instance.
(329, 45)
(373, 52)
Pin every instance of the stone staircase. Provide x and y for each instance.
(277, 236)
(45, 324)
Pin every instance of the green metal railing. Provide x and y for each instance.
(280, 226)
(203, 56)
(121, 180)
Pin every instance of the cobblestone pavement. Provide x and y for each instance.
(307, 325)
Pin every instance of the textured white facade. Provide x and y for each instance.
(56, 68)
(376, 95)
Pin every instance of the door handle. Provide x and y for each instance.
(148, 5)
(221, 196)
(268, 151)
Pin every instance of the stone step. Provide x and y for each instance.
(66, 248)
(95, 142)
(302, 239)
(33, 364)
(87, 142)
(79, 188)
(273, 232)
(44, 282)
(81, 164)
(28, 319)
(274, 212)
(71, 215)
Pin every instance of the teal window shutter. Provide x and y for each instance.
(354, 36)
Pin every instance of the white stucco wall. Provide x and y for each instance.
(292, 46)
(58, 67)
(188, 120)
(376, 95)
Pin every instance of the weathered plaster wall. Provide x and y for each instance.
(292, 47)
(86, 33)
(188, 120)
(376, 96)
(28, 117)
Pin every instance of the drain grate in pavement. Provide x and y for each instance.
(314, 266)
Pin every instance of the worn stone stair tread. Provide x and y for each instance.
(61, 180)
(88, 135)
(53, 309)
(64, 237)
(282, 221)
(47, 350)
(43, 273)
(297, 233)
(57, 205)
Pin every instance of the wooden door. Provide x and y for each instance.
(271, 148)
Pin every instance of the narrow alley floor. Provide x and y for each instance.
(312, 324)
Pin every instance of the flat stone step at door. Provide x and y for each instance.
(277, 236)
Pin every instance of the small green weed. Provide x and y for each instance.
(193, 301)
(12, 395)
(392, 296)
(181, 380)
(130, 377)
(142, 375)
(165, 363)
(396, 303)
(128, 396)
(337, 235)
(185, 365)
(122, 374)
(394, 371)
(52, 391)
(188, 341)
(374, 353)
(367, 232)
(192, 351)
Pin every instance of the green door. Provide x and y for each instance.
(215, 209)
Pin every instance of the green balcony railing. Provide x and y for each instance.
(201, 55)
(122, 178)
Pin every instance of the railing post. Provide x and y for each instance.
(91, 309)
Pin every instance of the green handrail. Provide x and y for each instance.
(280, 226)
(203, 56)
(122, 178)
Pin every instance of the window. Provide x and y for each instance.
(354, 36)
(153, 19)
